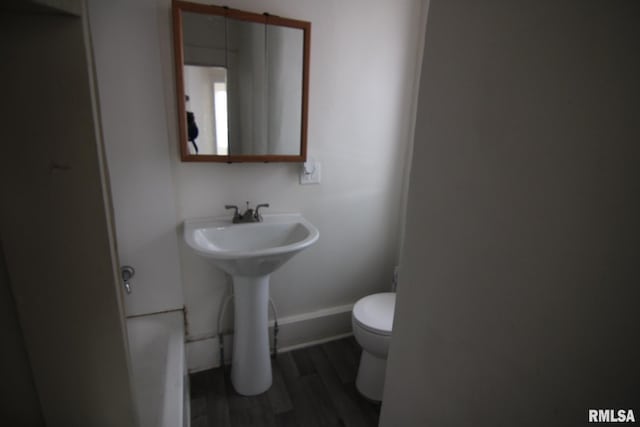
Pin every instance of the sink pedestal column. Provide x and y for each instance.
(251, 368)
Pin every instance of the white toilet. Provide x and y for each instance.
(372, 320)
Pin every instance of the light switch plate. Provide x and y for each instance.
(313, 177)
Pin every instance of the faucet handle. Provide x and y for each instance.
(235, 213)
(257, 215)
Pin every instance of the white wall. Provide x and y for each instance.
(362, 69)
(363, 57)
(519, 288)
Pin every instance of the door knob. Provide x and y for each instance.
(127, 273)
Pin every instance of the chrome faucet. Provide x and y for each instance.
(249, 215)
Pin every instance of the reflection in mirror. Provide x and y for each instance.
(206, 101)
(244, 81)
(247, 87)
(205, 83)
(284, 71)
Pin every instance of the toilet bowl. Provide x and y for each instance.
(372, 321)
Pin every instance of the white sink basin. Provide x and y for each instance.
(253, 249)
(250, 253)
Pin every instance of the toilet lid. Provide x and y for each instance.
(375, 312)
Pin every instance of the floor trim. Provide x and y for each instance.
(296, 331)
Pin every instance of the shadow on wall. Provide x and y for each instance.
(19, 405)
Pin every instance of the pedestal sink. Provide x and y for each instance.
(250, 253)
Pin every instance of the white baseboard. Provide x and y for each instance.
(297, 331)
(314, 342)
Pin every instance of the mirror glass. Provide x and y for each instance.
(206, 101)
(242, 84)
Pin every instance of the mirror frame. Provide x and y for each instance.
(178, 7)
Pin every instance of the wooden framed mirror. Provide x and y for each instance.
(242, 84)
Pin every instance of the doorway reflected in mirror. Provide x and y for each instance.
(206, 104)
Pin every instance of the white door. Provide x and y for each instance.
(131, 84)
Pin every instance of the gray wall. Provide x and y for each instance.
(19, 405)
(55, 224)
(518, 301)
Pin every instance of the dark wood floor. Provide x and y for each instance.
(314, 386)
